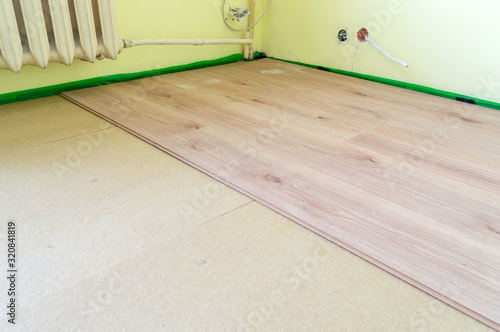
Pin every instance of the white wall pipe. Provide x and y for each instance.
(196, 42)
(248, 49)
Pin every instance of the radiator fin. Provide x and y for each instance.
(36, 32)
(10, 40)
(63, 31)
(86, 29)
(109, 28)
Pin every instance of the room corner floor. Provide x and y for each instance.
(114, 234)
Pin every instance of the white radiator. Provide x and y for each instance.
(36, 32)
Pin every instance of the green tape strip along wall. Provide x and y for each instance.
(56, 89)
(103, 80)
(399, 84)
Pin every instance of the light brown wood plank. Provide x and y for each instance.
(329, 152)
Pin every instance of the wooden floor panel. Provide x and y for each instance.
(407, 181)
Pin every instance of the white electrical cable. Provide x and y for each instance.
(385, 53)
(240, 30)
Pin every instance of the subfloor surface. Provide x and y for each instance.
(406, 180)
(115, 235)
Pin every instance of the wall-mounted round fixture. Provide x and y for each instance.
(239, 13)
(342, 36)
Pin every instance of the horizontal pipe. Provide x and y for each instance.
(27, 58)
(196, 42)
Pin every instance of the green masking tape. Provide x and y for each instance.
(103, 80)
(56, 89)
(400, 84)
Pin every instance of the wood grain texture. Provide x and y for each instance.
(408, 181)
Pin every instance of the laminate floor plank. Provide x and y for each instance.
(446, 162)
(399, 111)
(352, 165)
(408, 181)
(255, 101)
(334, 208)
(343, 163)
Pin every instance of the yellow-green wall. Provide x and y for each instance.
(449, 45)
(145, 19)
